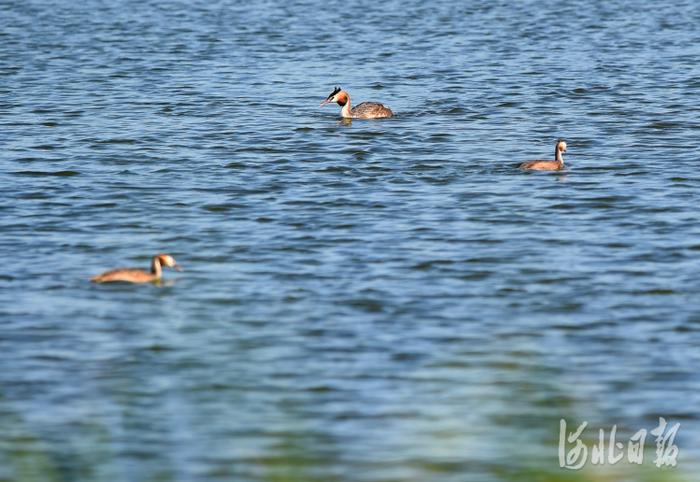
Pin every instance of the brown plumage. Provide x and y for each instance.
(365, 110)
(556, 165)
(130, 275)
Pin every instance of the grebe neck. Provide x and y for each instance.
(345, 111)
(558, 156)
(156, 269)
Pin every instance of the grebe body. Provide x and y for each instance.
(129, 275)
(547, 165)
(365, 110)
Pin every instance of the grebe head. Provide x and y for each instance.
(169, 261)
(338, 95)
(561, 145)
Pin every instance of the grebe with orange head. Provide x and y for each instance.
(556, 165)
(130, 275)
(365, 110)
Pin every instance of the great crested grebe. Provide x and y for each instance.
(556, 165)
(365, 110)
(138, 275)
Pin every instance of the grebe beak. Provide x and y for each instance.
(327, 101)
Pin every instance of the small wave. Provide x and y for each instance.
(47, 173)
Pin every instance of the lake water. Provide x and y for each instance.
(367, 301)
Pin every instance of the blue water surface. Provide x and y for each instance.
(362, 301)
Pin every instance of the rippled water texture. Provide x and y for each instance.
(368, 301)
